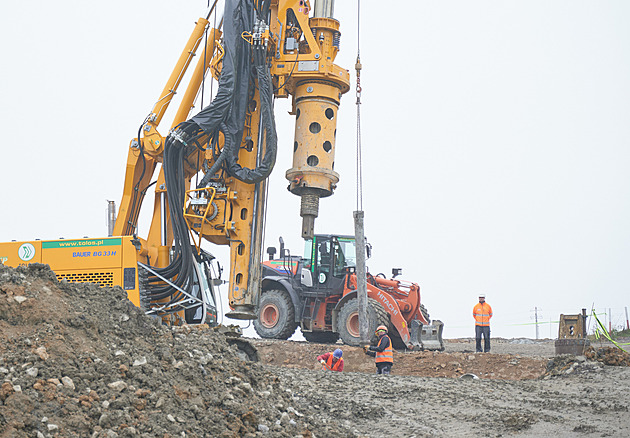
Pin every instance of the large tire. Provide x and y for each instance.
(397, 342)
(425, 313)
(276, 315)
(321, 337)
(244, 349)
(348, 320)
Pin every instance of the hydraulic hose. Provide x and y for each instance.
(226, 113)
(262, 171)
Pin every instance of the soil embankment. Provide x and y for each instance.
(514, 359)
(77, 360)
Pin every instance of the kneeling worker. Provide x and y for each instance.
(383, 351)
(332, 361)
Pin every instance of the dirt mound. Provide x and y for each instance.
(79, 360)
(414, 363)
(609, 356)
(567, 364)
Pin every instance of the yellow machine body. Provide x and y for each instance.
(109, 261)
(300, 51)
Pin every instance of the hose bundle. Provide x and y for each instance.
(226, 114)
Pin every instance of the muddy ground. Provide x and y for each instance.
(523, 389)
(77, 360)
(510, 359)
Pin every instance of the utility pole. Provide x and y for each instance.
(627, 322)
(537, 317)
(609, 320)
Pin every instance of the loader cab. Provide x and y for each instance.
(331, 257)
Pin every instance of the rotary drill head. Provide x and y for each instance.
(316, 88)
(309, 210)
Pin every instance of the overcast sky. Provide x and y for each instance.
(496, 142)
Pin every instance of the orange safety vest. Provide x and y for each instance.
(386, 355)
(336, 366)
(482, 314)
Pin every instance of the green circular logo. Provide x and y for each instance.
(26, 252)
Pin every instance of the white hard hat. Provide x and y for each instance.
(482, 295)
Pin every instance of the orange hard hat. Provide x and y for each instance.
(381, 327)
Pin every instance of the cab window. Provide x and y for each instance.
(345, 256)
(323, 260)
(308, 253)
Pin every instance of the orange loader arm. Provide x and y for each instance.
(400, 300)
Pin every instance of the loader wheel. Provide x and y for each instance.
(276, 315)
(397, 342)
(321, 337)
(348, 322)
(425, 313)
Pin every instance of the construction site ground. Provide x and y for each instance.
(513, 359)
(520, 388)
(82, 361)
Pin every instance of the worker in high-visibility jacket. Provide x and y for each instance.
(332, 361)
(482, 312)
(382, 352)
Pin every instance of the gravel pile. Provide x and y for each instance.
(77, 360)
(609, 355)
(567, 364)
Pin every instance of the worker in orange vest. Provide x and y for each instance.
(332, 361)
(482, 312)
(383, 351)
